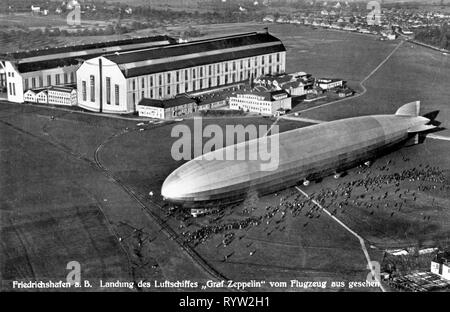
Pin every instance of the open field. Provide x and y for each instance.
(72, 186)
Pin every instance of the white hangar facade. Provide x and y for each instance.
(36, 69)
(117, 82)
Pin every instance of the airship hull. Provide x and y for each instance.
(304, 154)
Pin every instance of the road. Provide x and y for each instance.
(360, 239)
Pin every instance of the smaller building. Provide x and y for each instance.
(62, 96)
(29, 96)
(176, 107)
(329, 83)
(42, 97)
(441, 266)
(262, 102)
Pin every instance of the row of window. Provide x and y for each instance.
(108, 90)
(12, 88)
(35, 83)
(199, 72)
(172, 90)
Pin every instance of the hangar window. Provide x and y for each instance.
(226, 67)
(242, 64)
(108, 90)
(116, 94)
(168, 90)
(193, 73)
(41, 82)
(178, 76)
(57, 79)
(186, 87)
(218, 68)
(92, 85)
(72, 77)
(160, 79)
(234, 65)
(65, 78)
(133, 83)
(278, 57)
(178, 88)
(218, 80)
(142, 83)
(248, 62)
(186, 75)
(83, 87)
(33, 82)
(270, 58)
(26, 83)
(201, 72)
(160, 92)
(168, 77)
(49, 80)
(209, 70)
(151, 81)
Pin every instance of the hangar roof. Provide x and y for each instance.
(176, 101)
(195, 53)
(28, 61)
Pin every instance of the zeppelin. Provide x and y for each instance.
(304, 154)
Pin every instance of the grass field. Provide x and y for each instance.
(58, 205)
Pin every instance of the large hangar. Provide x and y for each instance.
(117, 82)
(57, 66)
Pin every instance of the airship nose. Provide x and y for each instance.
(172, 188)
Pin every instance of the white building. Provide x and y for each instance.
(328, 83)
(42, 97)
(265, 103)
(117, 82)
(62, 96)
(441, 267)
(30, 96)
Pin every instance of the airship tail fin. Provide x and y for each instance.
(411, 109)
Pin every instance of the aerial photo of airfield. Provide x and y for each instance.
(84, 186)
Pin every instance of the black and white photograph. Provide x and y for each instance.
(241, 147)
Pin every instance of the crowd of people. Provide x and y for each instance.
(386, 189)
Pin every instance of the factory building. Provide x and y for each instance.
(62, 96)
(117, 82)
(57, 66)
(262, 102)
